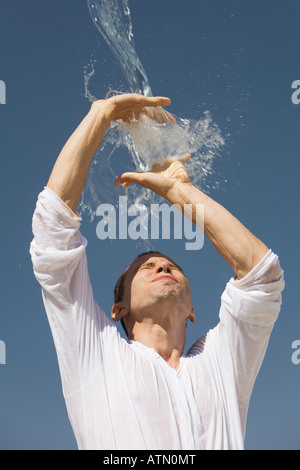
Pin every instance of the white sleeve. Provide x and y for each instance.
(249, 309)
(78, 325)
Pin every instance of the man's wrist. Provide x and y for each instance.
(175, 193)
(103, 110)
(180, 192)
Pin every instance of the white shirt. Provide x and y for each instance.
(122, 395)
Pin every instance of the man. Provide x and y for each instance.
(145, 393)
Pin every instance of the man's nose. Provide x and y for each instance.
(163, 266)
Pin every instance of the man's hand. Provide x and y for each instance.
(163, 180)
(71, 168)
(128, 107)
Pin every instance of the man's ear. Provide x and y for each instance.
(192, 316)
(118, 311)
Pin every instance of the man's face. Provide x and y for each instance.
(152, 280)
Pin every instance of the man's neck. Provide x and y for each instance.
(168, 344)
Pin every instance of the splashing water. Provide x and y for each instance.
(143, 143)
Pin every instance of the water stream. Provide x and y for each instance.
(138, 145)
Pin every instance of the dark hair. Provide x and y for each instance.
(120, 286)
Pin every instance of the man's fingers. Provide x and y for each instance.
(169, 116)
(153, 101)
(126, 179)
(129, 106)
(158, 101)
(184, 158)
(159, 114)
(134, 99)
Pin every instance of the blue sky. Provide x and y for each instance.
(238, 60)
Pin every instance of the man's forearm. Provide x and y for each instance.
(233, 241)
(71, 168)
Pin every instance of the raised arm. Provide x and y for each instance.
(239, 247)
(71, 168)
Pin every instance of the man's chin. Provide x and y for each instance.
(167, 292)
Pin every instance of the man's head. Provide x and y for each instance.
(151, 281)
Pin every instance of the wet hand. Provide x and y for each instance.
(128, 107)
(164, 179)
